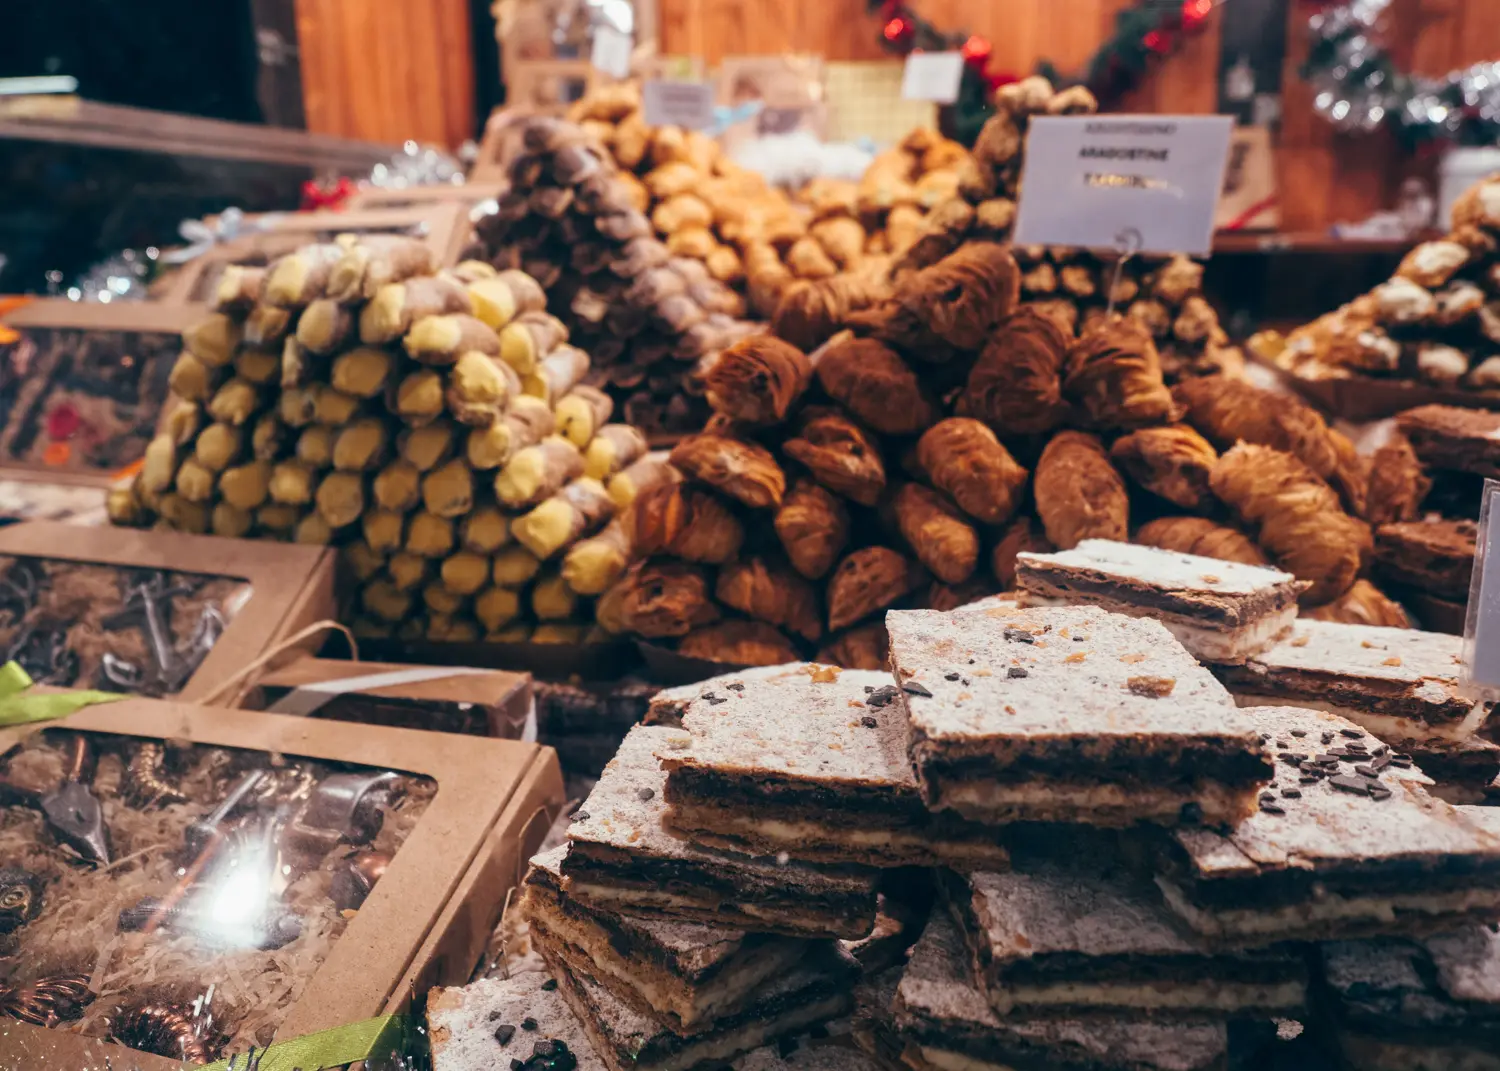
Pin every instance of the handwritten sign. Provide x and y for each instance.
(1091, 179)
(684, 104)
(933, 76)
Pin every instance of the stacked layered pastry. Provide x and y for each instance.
(577, 222)
(1125, 862)
(433, 423)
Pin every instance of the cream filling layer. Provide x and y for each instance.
(1392, 730)
(813, 922)
(750, 1036)
(1242, 922)
(1198, 995)
(1229, 646)
(1041, 794)
(802, 834)
(957, 1061)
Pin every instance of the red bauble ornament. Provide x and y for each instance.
(63, 422)
(1195, 14)
(900, 31)
(1158, 41)
(1000, 78)
(977, 51)
(317, 195)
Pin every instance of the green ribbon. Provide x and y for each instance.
(17, 708)
(373, 1039)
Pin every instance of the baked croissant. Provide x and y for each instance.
(684, 522)
(1197, 535)
(951, 306)
(1079, 494)
(1024, 535)
(1016, 385)
(1113, 375)
(742, 470)
(757, 379)
(865, 647)
(867, 581)
(1173, 462)
(1397, 484)
(809, 312)
(839, 455)
(813, 527)
(869, 379)
(772, 592)
(740, 643)
(663, 598)
(964, 458)
(1362, 604)
(937, 532)
(1299, 520)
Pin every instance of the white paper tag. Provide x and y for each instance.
(933, 76)
(1480, 677)
(1150, 182)
(686, 104)
(611, 52)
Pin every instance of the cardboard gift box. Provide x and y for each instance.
(83, 606)
(445, 699)
(482, 807)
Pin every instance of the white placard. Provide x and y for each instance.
(933, 76)
(685, 104)
(1147, 182)
(611, 52)
(1480, 677)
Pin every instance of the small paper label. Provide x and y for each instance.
(612, 50)
(1481, 654)
(933, 76)
(686, 104)
(1147, 183)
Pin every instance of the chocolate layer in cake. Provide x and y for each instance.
(1341, 846)
(817, 989)
(1079, 932)
(943, 1015)
(623, 858)
(1434, 556)
(1400, 684)
(1448, 437)
(1220, 611)
(492, 1022)
(812, 764)
(1068, 714)
(683, 973)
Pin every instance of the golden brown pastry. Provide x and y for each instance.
(953, 305)
(739, 643)
(807, 313)
(1397, 484)
(945, 597)
(868, 581)
(865, 647)
(663, 598)
(684, 522)
(943, 231)
(1227, 411)
(1021, 536)
(1113, 375)
(771, 591)
(1362, 604)
(1177, 280)
(1197, 535)
(813, 526)
(937, 533)
(1016, 385)
(742, 470)
(757, 380)
(869, 379)
(839, 455)
(1079, 494)
(1173, 462)
(964, 458)
(1298, 517)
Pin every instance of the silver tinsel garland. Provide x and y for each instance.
(1359, 87)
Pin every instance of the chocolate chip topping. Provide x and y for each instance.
(1016, 672)
(504, 1032)
(913, 688)
(881, 696)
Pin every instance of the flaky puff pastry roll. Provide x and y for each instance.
(1200, 536)
(757, 380)
(1079, 494)
(742, 470)
(867, 581)
(1113, 376)
(809, 312)
(865, 647)
(660, 599)
(1362, 604)
(813, 527)
(1023, 535)
(1298, 516)
(1172, 462)
(1016, 385)
(937, 532)
(871, 380)
(771, 591)
(953, 305)
(685, 522)
(740, 643)
(839, 454)
(963, 458)
(1397, 484)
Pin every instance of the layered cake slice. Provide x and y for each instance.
(1220, 611)
(1400, 684)
(1069, 714)
(1078, 932)
(1434, 557)
(623, 858)
(817, 988)
(520, 1022)
(812, 764)
(948, 1024)
(1449, 437)
(1339, 847)
(683, 973)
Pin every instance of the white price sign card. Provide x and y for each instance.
(1480, 677)
(933, 76)
(612, 51)
(685, 104)
(1146, 183)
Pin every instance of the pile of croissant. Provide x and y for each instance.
(907, 460)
